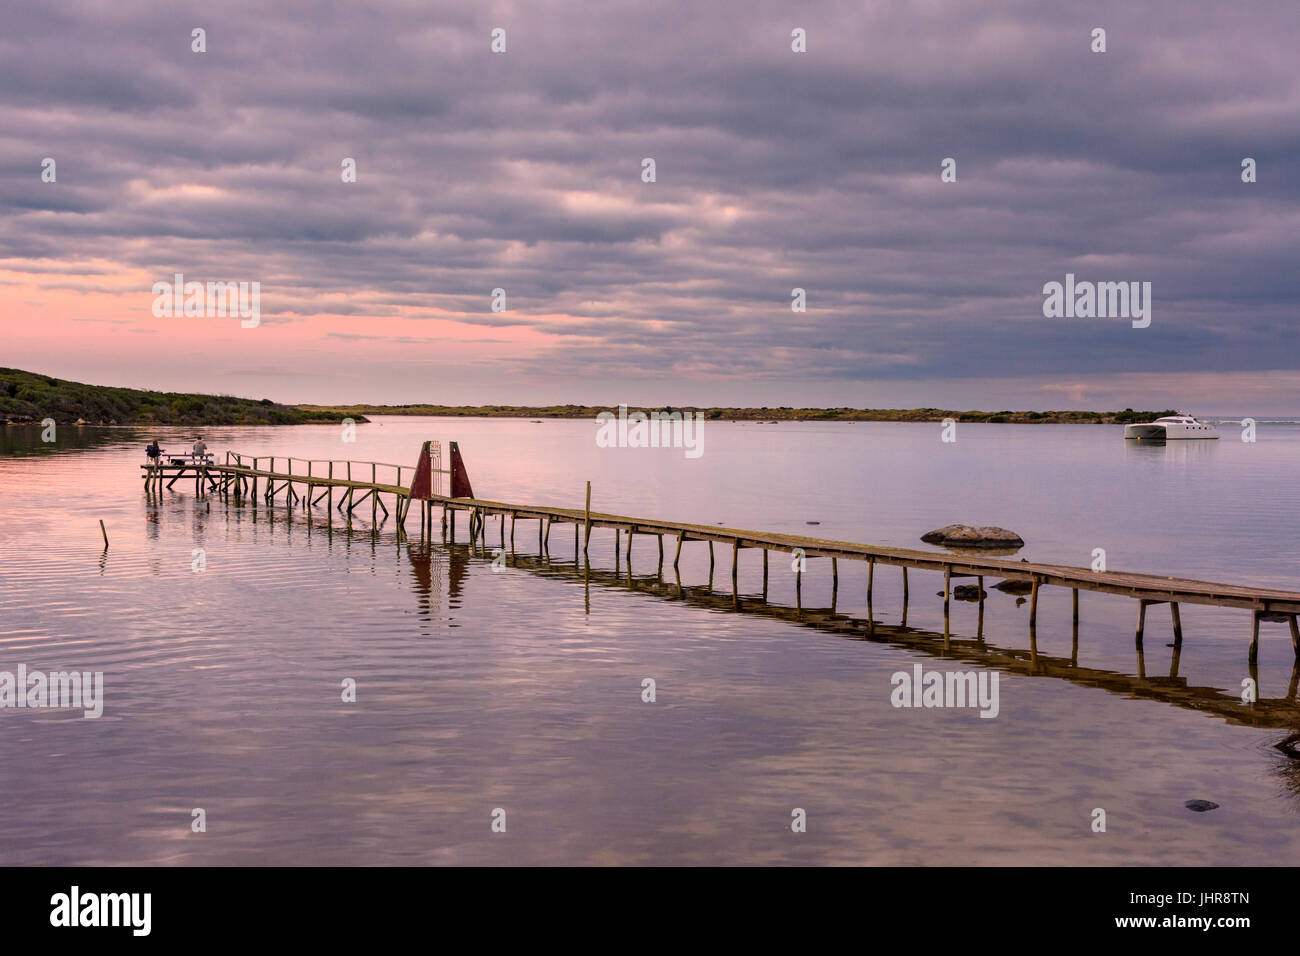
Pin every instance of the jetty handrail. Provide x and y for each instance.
(345, 470)
(239, 457)
(347, 463)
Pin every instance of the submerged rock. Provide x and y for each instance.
(973, 536)
(1201, 806)
(1014, 587)
(969, 592)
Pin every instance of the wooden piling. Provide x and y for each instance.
(586, 538)
(1177, 621)
(947, 590)
(104, 532)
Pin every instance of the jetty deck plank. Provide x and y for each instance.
(1148, 587)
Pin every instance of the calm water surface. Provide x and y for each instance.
(522, 689)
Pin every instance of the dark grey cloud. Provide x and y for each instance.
(775, 170)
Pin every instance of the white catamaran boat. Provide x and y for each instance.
(1170, 428)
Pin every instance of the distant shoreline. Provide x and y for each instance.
(741, 414)
(28, 398)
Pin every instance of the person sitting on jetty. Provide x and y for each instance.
(153, 452)
(200, 446)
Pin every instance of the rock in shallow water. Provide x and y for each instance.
(968, 592)
(1014, 587)
(973, 536)
(1201, 806)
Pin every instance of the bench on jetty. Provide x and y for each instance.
(319, 479)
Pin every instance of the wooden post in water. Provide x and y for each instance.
(1254, 637)
(1142, 620)
(1076, 604)
(1295, 643)
(1178, 622)
(735, 564)
(947, 590)
(1033, 604)
(587, 533)
(798, 584)
(905, 588)
(678, 555)
(104, 532)
(871, 574)
(765, 574)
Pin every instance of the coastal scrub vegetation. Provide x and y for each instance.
(30, 397)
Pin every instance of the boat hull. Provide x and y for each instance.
(1172, 431)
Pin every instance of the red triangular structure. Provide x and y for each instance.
(460, 487)
(422, 483)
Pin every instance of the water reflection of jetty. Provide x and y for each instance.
(1280, 712)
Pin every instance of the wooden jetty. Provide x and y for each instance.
(317, 479)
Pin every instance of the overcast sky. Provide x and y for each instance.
(775, 170)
